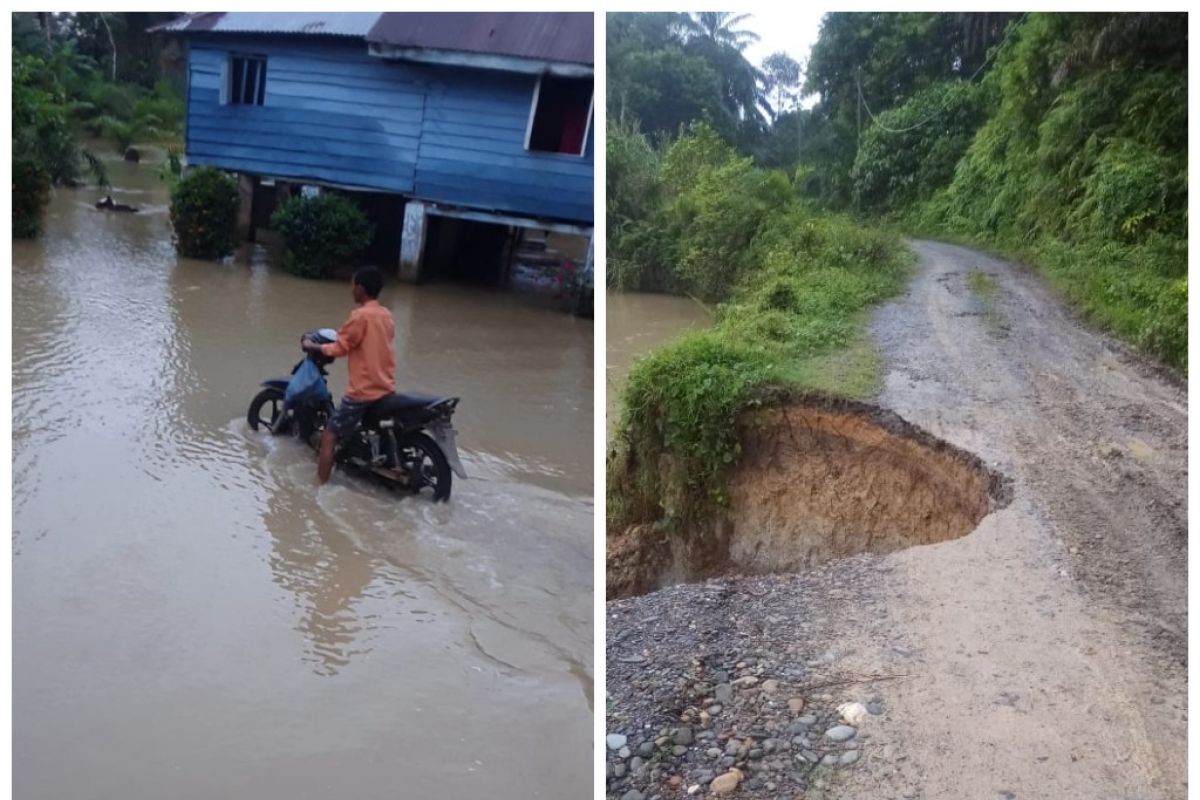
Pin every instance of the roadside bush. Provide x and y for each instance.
(320, 233)
(30, 193)
(204, 210)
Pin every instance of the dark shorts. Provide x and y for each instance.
(346, 416)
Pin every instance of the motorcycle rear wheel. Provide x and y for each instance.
(265, 409)
(426, 465)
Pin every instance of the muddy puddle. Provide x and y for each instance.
(819, 479)
(638, 323)
(193, 618)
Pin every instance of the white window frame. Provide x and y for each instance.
(587, 129)
(227, 78)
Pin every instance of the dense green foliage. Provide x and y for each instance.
(912, 150)
(30, 192)
(1082, 169)
(63, 92)
(667, 70)
(204, 209)
(792, 285)
(320, 233)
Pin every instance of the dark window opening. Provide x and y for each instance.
(466, 251)
(561, 114)
(247, 81)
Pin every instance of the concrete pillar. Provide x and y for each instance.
(245, 218)
(589, 262)
(412, 241)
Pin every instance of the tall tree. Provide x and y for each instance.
(782, 83)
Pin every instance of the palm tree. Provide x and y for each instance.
(719, 26)
(716, 36)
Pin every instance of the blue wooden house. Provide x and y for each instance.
(453, 129)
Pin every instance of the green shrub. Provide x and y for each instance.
(204, 210)
(321, 233)
(30, 193)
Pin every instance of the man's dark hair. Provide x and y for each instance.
(371, 280)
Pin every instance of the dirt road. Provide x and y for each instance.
(1045, 653)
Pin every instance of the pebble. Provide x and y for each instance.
(683, 735)
(637, 763)
(829, 760)
(633, 794)
(646, 749)
(732, 747)
(723, 693)
(727, 783)
(713, 752)
(693, 789)
(615, 741)
(807, 719)
(849, 757)
(874, 709)
(796, 705)
(678, 750)
(840, 733)
(619, 770)
(745, 682)
(810, 756)
(714, 709)
(853, 713)
(770, 686)
(705, 776)
(624, 752)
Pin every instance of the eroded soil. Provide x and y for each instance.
(819, 478)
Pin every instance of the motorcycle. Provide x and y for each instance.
(406, 440)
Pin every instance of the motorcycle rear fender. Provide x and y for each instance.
(277, 383)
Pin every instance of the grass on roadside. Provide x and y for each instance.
(795, 320)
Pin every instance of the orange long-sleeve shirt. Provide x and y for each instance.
(367, 339)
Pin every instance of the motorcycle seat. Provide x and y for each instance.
(394, 404)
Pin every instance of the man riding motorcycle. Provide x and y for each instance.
(366, 341)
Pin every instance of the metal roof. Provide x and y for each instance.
(533, 35)
(355, 24)
(540, 36)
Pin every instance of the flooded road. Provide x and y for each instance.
(638, 323)
(193, 618)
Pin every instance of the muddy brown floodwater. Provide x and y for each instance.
(193, 618)
(638, 323)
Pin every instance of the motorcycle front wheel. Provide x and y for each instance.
(265, 409)
(426, 465)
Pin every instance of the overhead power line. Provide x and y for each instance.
(863, 100)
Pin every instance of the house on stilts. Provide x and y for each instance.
(460, 134)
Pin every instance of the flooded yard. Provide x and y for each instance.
(194, 618)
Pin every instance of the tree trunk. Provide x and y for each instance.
(112, 43)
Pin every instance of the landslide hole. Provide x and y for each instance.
(819, 479)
